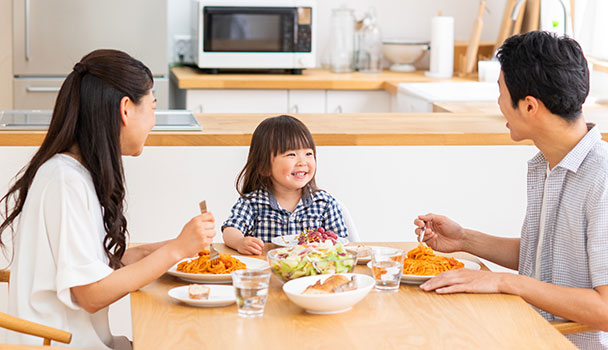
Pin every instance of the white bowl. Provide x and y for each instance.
(403, 53)
(327, 303)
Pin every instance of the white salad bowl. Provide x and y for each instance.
(311, 259)
(327, 303)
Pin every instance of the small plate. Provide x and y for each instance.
(366, 259)
(218, 296)
(292, 240)
(252, 263)
(416, 279)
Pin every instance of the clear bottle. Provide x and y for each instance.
(370, 48)
(341, 42)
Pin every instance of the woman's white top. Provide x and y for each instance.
(59, 245)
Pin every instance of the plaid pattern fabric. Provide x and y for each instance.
(259, 215)
(574, 250)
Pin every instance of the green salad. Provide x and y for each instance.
(311, 259)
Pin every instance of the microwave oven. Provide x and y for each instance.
(252, 35)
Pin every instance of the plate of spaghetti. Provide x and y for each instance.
(200, 269)
(421, 264)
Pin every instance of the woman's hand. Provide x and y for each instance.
(440, 233)
(465, 281)
(196, 235)
(250, 245)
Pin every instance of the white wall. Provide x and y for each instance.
(396, 18)
(384, 187)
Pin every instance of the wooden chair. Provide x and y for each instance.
(570, 327)
(22, 326)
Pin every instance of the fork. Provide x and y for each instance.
(213, 254)
(421, 235)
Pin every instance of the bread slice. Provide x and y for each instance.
(197, 291)
(327, 287)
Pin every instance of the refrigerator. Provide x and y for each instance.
(50, 36)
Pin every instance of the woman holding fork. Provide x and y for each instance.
(66, 208)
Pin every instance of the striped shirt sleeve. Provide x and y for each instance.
(597, 234)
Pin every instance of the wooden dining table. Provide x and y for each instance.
(408, 319)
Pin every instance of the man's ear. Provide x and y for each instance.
(530, 105)
(125, 105)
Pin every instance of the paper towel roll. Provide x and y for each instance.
(442, 47)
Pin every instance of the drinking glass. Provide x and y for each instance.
(251, 291)
(387, 266)
(341, 40)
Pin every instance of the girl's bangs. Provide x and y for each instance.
(291, 140)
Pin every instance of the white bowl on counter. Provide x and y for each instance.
(327, 303)
(404, 52)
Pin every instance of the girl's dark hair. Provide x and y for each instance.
(273, 136)
(87, 114)
(550, 68)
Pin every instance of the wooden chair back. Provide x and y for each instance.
(569, 327)
(27, 327)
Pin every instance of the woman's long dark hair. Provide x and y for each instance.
(87, 115)
(273, 136)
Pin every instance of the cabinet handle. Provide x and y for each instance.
(295, 109)
(42, 89)
(27, 30)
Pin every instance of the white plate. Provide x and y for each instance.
(218, 296)
(292, 240)
(252, 263)
(416, 279)
(327, 303)
(366, 259)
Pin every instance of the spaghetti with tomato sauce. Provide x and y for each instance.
(422, 261)
(225, 264)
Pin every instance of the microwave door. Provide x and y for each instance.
(244, 29)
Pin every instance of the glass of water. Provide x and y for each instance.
(251, 290)
(387, 266)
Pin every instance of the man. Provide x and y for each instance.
(562, 255)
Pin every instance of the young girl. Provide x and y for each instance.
(278, 191)
(66, 209)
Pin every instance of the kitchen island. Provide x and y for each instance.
(363, 129)
(386, 168)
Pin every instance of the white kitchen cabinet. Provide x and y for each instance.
(358, 101)
(283, 101)
(41, 92)
(420, 97)
(306, 101)
(236, 101)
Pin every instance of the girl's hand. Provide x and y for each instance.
(250, 245)
(196, 235)
(440, 233)
(465, 281)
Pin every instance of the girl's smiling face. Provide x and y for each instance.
(293, 169)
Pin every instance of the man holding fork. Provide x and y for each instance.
(562, 254)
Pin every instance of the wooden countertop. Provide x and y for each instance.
(409, 319)
(592, 112)
(315, 78)
(600, 65)
(389, 129)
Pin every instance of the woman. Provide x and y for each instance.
(65, 210)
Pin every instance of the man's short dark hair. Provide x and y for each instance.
(550, 68)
